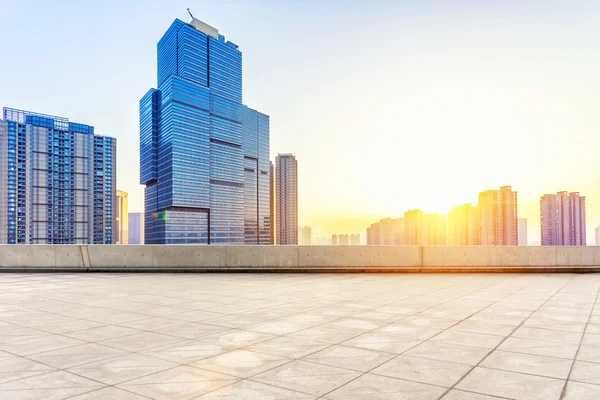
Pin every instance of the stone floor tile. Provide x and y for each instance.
(475, 326)
(586, 372)
(511, 385)
(467, 355)
(109, 393)
(232, 321)
(539, 347)
(306, 377)
(122, 368)
(548, 335)
(76, 355)
(45, 393)
(440, 373)
(185, 352)
(581, 391)
(469, 339)
(288, 347)
(235, 339)
(39, 344)
(141, 341)
(349, 358)
(102, 333)
(376, 387)
(191, 330)
(50, 380)
(241, 363)
(529, 364)
(250, 390)
(354, 323)
(275, 327)
(325, 334)
(462, 395)
(382, 342)
(409, 331)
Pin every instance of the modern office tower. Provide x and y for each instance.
(203, 155)
(136, 228)
(413, 227)
(343, 240)
(355, 239)
(286, 199)
(522, 231)
(463, 225)
(562, 218)
(597, 236)
(122, 232)
(334, 240)
(272, 200)
(57, 181)
(498, 217)
(304, 235)
(257, 182)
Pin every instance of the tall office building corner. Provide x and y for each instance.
(286, 193)
(203, 154)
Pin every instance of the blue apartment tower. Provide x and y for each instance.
(204, 156)
(57, 181)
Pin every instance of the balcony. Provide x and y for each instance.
(329, 335)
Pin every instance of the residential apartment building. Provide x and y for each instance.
(463, 225)
(562, 218)
(386, 232)
(286, 199)
(57, 181)
(355, 239)
(305, 235)
(498, 217)
(523, 232)
(424, 229)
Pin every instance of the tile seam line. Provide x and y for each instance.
(564, 389)
(452, 299)
(509, 335)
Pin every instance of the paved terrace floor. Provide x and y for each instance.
(294, 336)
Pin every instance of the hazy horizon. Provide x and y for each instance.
(387, 106)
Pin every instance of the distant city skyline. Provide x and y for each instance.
(441, 77)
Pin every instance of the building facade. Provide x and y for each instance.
(355, 239)
(597, 235)
(122, 231)
(203, 155)
(286, 199)
(463, 225)
(343, 239)
(498, 217)
(57, 181)
(523, 232)
(386, 232)
(562, 218)
(272, 200)
(136, 228)
(304, 235)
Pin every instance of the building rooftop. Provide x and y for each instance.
(293, 336)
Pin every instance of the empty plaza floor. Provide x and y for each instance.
(299, 336)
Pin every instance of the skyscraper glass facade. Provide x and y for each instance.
(58, 181)
(198, 144)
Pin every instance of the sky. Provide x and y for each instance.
(387, 105)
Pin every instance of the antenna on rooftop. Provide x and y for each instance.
(189, 12)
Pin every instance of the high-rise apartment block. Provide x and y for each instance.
(498, 217)
(136, 228)
(204, 157)
(386, 232)
(272, 205)
(424, 229)
(523, 232)
(286, 199)
(463, 225)
(57, 181)
(343, 240)
(334, 240)
(563, 219)
(304, 235)
(355, 239)
(122, 231)
(597, 236)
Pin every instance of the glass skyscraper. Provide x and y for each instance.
(57, 181)
(204, 157)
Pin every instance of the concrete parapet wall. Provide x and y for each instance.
(190, 258)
